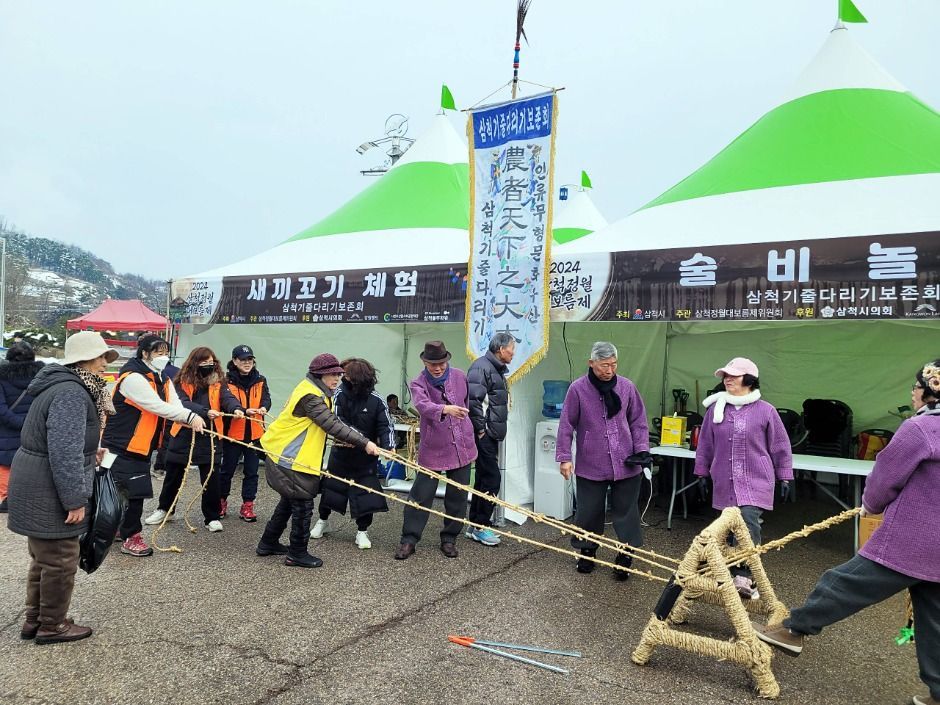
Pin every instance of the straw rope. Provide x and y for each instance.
(522, 539)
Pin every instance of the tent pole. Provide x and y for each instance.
(662, 396)
(403, 389)
(169, 288)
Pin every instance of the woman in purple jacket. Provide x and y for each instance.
(606, 413)
(745, 448)
(441, 396)
(903, 553)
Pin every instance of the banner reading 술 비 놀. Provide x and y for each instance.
(511, 185)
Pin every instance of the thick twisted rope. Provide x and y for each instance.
(430, 510)
(650, 557)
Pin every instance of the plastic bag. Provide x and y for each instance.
(107, 513)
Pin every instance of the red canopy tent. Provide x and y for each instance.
(118, 314)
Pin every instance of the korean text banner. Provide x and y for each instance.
(391, 295)
(870, 277)
(512, 147)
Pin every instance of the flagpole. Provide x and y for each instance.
(521, 9)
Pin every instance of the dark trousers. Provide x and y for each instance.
(487, 479)
(362, 522)
(131, 524)
(859, 583)
(455, 505)
(51, 578)
(173, 481)
(298, 512)
(751, 516)
(231, 454)
(624, 511)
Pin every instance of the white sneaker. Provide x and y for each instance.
(214, 526)
(156, 518)
(362, 540)
(319, 529)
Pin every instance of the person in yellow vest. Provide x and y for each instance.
(294, 444)
(201, 388)
(144, 400)
(251, 389)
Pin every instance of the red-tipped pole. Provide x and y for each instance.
(469, 642)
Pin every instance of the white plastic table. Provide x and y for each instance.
(856, 469)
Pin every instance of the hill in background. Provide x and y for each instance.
(48, 282)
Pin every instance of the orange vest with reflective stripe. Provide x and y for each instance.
(135, 435)
(215, 402)
(251, 400)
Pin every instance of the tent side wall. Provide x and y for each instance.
(869, 365)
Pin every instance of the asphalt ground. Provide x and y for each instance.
(219, 625)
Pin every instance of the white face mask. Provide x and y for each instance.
(159, 363)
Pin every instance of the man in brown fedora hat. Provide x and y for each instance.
(441, 396)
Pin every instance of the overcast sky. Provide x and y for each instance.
(174, 136)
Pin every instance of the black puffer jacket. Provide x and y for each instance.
(487, 381)
(178, 448)
(53, 470)
(14, 379)
(369, 415)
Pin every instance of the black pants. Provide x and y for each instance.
(173, 481)
(487, 479)
(362, 522)
(231, 454)
(455, 505)
(298, 512)
(624, 512)
(131, 524)
(859, 583)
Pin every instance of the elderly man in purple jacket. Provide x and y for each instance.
(440, 394)
(902, 554)
(607, 414)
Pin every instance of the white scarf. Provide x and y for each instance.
(721, 399)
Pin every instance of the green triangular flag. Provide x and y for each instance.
(447, 99)
(849, 13)
(585, 180)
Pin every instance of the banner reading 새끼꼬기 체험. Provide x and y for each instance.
(511, 173)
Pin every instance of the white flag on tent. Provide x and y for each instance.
(512, 147)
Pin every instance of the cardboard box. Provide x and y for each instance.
(867, 526)
(673, 431)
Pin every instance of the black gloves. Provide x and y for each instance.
(643, 458)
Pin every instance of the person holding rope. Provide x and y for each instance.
(52, 477)
(606, 413)
(441, 396)
(745, 449)
(902, 554)
(357, 405)
(294, 444)
(201, 389)
(250, 387)
(144, 399)
(16, 373)
(487, 381)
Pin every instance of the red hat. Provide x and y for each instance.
(325, 364)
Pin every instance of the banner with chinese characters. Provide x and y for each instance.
(889, 276)
(512, 148)
(392, 295)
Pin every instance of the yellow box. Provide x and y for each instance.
(867, 526)
(673, 431)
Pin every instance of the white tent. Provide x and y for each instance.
(575, 217)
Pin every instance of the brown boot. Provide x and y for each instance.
(64, 631)
(30, 625)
